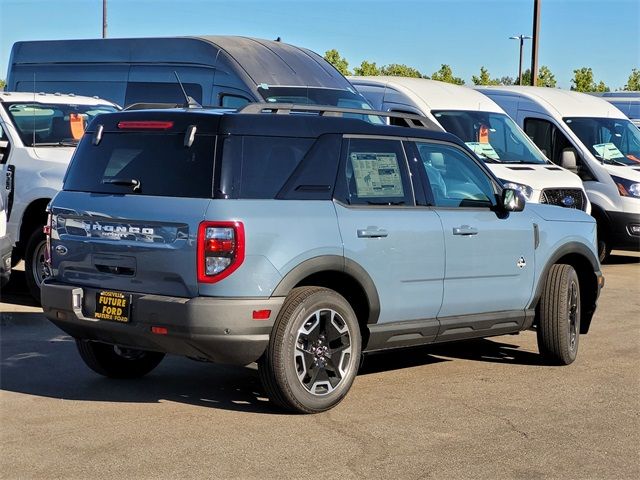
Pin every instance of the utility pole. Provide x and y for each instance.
(104, 18)
(534, 46)
(522, 38)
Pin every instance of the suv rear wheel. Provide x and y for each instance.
(558, 327)
(117, 362)
(313, 353)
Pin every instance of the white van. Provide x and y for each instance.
(38, 135)
(589, 135)
(485, 128)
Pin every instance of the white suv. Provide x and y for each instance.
(38, 135)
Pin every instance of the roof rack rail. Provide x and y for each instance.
(411, 120)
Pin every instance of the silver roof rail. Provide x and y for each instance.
(410, 119)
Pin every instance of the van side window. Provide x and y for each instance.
(552, 142)
(375, 171)
(233, 101)
(156, 92)
(454, 177)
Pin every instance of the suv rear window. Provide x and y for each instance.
(159, 163)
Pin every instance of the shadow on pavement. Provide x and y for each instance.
(16, 291)
(615, 259)
(38, 359)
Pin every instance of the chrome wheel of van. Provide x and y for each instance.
(323, 349)
(34, 265)
(313, 353)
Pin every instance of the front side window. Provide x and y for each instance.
(376, 173)
(454, 177)
(613, 141)
(492, 136)
(233, 101)
(52, 125)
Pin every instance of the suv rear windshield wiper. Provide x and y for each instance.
(64, 143)
(124, 182)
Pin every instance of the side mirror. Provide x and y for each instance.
(569, 160)
(512, 200)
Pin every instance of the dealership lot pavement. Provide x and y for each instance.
(480, 409)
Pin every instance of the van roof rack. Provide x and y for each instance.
(410, 119)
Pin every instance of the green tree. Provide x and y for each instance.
(507, 81)
(583, 81)
(400, 70)
(446, 75)
(334, 58)
(366, 69)
(484, 78)
(633, 83)
(2, 84)
(545, 77)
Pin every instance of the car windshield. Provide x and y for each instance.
(613, 141)
(492, 136)
(55, 124)
(320, 96)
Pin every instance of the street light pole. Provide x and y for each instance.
(534, 46)
(104, 18)
(522, 38)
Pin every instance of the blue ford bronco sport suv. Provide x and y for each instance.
(300, 238)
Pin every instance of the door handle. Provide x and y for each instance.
(372, 232)
(465, 230)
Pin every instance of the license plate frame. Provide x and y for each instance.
(113, 306)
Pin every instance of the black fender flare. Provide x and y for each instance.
(327, 263)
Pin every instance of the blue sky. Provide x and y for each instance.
(466, 34)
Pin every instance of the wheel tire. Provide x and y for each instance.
(296, 342)
(604, 250)
(558, 328)
(34, 262)
(114, 362)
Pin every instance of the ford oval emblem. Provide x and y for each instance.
(568, 201)
(61, 250)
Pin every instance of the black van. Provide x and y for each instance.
(225, 71)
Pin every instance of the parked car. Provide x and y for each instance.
(300, 241)
(627, 102)
(486, 129)
(5, 245)
(590, 136)
(39, 134)
(225, 71)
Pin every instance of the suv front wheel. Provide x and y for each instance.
(313, 352)
(558, 326)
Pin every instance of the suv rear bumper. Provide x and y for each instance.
(221, 330)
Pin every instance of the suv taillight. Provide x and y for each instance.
(220, 250)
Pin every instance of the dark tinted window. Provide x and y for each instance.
(260, 166)
(161, 164)
(376, 173)
(233, 101)
(156, 92)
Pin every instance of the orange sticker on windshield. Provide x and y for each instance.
(483, 134)
(77, 125)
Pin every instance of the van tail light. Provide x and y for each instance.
(220, 250)
(145, 125)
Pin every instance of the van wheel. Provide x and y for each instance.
(313, 352)
(558, 327)
(34, 265)
(117, 362)
(604, 250)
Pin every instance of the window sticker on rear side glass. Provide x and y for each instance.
(377, 174)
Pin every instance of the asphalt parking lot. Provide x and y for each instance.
(481, 409)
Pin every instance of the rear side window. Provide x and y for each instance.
(138, 92)
(259, 166)
(159, 164)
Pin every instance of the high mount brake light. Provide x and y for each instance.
(220, 250)
(145, 125)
